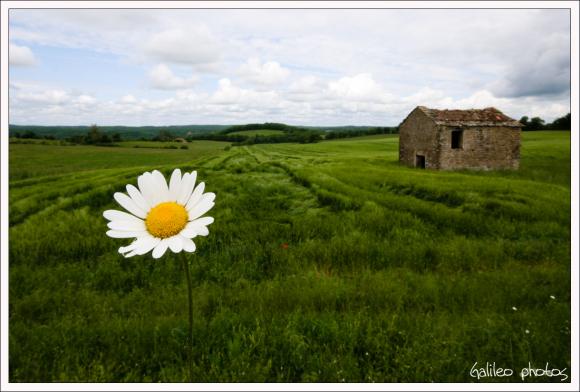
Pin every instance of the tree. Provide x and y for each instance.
(562, 123)
(164, 136)
(105, 139)
(524, 121)
(29, 135)
(94, 135)
(536, 123)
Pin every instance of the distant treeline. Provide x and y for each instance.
(292, 136)
(289, 137)
(537, 124)
(80, 134)
(362, 132)
(266, 126)
(126, 132)
(94, 136)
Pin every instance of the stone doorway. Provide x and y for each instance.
(420, 161)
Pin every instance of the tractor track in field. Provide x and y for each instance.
(397, 199)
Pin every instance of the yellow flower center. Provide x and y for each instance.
(166, 219)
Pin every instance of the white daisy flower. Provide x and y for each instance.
(161, 216)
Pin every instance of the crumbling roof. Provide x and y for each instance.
(471, 117)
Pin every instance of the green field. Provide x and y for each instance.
(258, 132)
(36, 160)
(327, 262)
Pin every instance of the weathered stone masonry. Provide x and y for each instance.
(459, 139)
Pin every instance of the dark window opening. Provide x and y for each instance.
(420, 161)
(457, 139)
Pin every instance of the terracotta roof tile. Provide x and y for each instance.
(471, 117)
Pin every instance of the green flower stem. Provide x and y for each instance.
(190, 298)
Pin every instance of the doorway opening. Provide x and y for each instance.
(420, 161)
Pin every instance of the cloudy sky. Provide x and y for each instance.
(304, 67)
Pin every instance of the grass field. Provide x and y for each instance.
(258, 132)
(198, 146)
(326, 262)
(35, 160)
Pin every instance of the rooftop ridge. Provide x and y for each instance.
(488, 116)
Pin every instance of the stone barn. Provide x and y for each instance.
(459, 139)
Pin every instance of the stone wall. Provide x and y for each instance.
(417, 136)
(483, 148)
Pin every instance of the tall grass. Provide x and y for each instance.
(326, 262)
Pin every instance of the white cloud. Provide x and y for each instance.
(21, 56)
(229, 94)
(128, 99)
(358, 88)
(85, 99)
(48, 97)
(306, 89)
(161, 77)
(185, 45)
(306, 85)
(268, 73)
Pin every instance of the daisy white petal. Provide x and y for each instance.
(147, 244)
(201, 208)
(125, 234)
(128, 248)
(193, 177)
(138, 198)
(205, 221)
(203, 231)
(175, 243)
(151, 186)
(127, 225)
(195, 196)
(188, 233)
(187, 187)
(208, 196)
(160, 249)
(118, 215)
(161, 186)
(147, 189)
(127, 203)
(130, 254)
(131, 219)
(175, 184)
(133, 245)
(188, 245)
(197, 227)
(183, 186)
